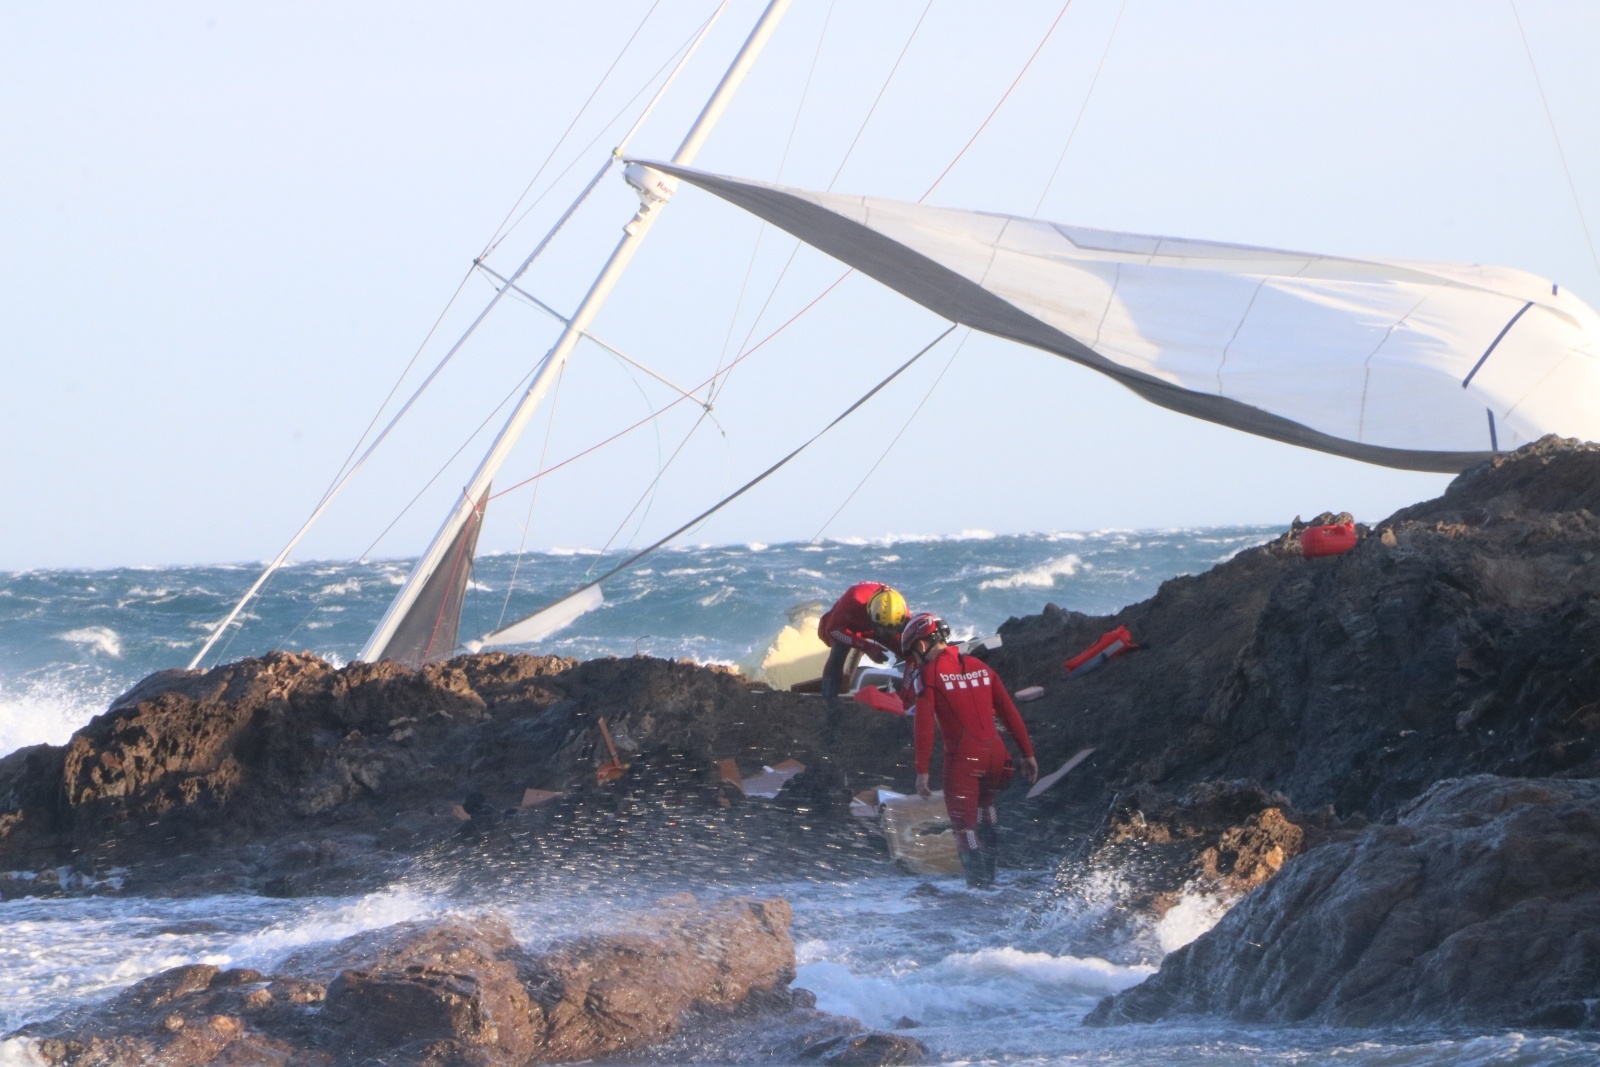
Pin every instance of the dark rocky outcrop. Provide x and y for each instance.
(1481, 904)
(1278, 707)
(459, 993)
(1460, 636)
(287, 776)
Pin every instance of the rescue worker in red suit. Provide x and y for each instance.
(963, 696)
(867, 618)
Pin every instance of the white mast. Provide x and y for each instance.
(654, 189)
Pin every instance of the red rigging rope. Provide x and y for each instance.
(1001, 102)
(681, 397)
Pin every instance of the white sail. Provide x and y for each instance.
(543, 623)
(1424, 366)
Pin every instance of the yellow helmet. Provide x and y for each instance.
(887, 608)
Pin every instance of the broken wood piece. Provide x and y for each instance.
(730, 772)
(609, 772)
(1056, 775)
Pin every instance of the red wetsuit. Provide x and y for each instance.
(964, 695)
(847, 622)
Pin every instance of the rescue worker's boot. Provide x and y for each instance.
(989, 850)
(972, 864)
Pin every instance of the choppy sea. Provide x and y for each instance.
(990, 978)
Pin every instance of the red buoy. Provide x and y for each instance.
(1333, 540)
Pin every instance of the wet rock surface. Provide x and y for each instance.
(1279, 707)
(285, 776)
(467, 993)
(1481, 904)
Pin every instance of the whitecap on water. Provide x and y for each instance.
(102, 639)
(1041, 577)
(349, 585)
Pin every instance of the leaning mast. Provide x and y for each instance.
(422, 614)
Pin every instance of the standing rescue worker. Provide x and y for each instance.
(964, 695)
(867, 618)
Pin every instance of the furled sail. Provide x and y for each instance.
(430, 629)
(1422, 366)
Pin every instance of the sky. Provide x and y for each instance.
(226, 230)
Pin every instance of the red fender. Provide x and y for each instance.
(1333, 540)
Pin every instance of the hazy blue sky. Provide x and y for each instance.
(224, 229)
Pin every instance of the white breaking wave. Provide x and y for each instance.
(96, 639)
(349, 585)
(1086, 973)
(1191, 916)
(962, 984)
(1041, 577)
(45, 713)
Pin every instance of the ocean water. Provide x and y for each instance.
(987, 977)
(71, 640)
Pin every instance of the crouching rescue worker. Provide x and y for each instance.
(867, 618)
(963, 695)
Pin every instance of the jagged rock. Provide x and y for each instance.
(1481, 905)
(1221, 839)
(309, 779)
(875, 1049)
(449, 993)
(1462, 636)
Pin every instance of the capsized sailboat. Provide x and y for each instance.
(1421, 366)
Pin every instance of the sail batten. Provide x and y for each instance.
(1369, 359)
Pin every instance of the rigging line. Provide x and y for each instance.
(649, 492)
(533, 498)
(794, 127)
(896, 440)
(881, 90)
(1003, 97)
(758, 479)
(1556, 136)
(344, 479)
(498, 233)
(691, 45)
(395, 388)
(533, 301)
(655, 424)
(805, 91)
(487, 419)
(1082, 108)
(674, 403)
